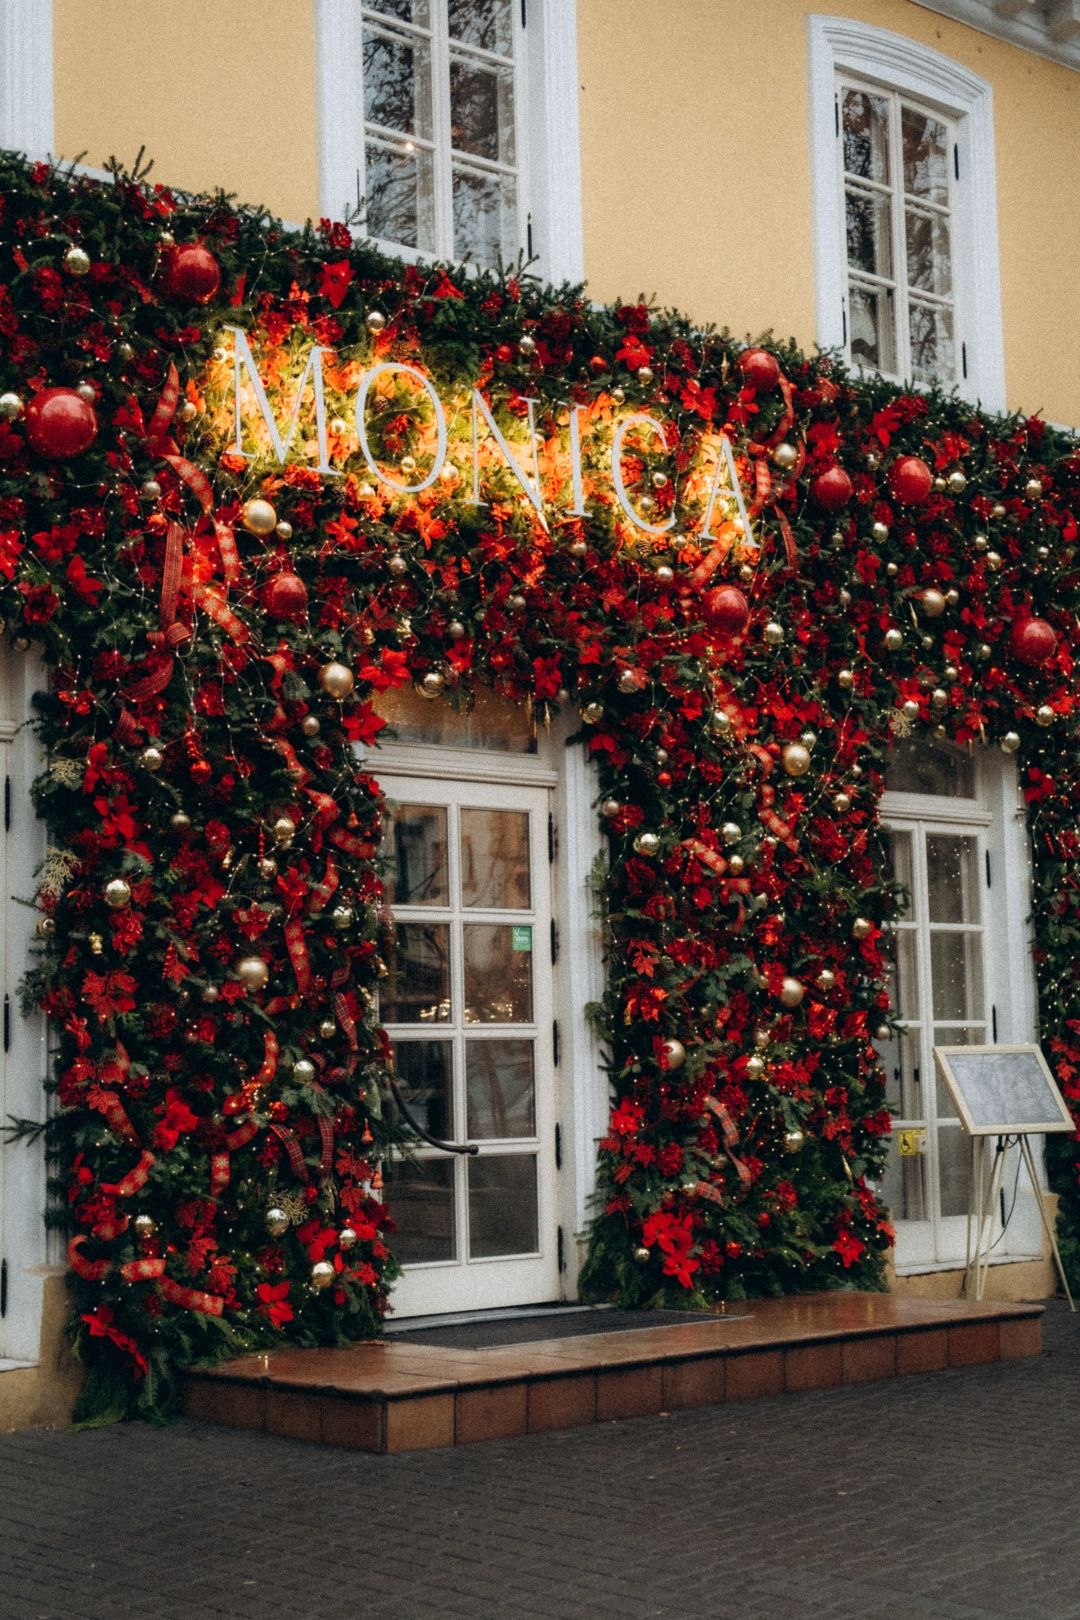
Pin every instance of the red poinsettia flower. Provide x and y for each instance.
(274, 1303)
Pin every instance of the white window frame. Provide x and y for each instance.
(997, 817)
(26, 77)
(841, 47)
(549, 165)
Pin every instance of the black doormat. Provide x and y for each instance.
(559, 1324)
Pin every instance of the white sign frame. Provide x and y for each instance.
(1063, 1121)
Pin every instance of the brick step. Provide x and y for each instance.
(383, 1396)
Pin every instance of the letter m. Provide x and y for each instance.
(244, 360)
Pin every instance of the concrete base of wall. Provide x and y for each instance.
(43, 1396)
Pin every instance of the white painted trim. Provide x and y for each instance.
(550, 168)
(1024, 26)
(26, 76)
(841, 45)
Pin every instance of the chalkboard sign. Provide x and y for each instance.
(1002, 1090)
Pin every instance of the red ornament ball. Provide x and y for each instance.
(192, 274)
(60, 423)
(726, 610)
(760, 370)
(831, 489)
(285, 597)
(910, 480)
(1033, 641)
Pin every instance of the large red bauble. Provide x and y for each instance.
(60, 424)
(831, 489)
(760, 370)
(284, 597)
(1033, 641)
(726, 610)
(910, 480)
(192, 274)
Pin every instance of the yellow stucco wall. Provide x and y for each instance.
(694, 147)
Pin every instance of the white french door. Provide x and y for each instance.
(468, 1007)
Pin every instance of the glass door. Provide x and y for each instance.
(468, 1007)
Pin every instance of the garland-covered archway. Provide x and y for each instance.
(746, 570)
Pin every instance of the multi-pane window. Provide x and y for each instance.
(898, 161)
(442, 93)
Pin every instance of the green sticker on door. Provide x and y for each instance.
(521, 937)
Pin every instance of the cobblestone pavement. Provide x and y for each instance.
(950, 1496)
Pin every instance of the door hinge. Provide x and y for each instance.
(993, 1025)
(528, 237)
(956, 159)
(552, 845)
(558, 1147)
(963, 358)
(524, 13)
(843, 324)
(3, 1287)
(989, 883)
(7, 1023)
(561, 1248)
(7, 803)
(556, 1043)
(554, 942)
(836, 114)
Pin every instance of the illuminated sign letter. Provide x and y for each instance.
(531, 486)
(243, 359)
(578, 508)
(621, 493)
(725, 461)
(361, 425)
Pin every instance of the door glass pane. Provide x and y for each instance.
(873, 338)
(397, 82)
(410, 11)
(933, 353)
(482, 110)
(869, 237)
(929, 259)
(900, 1060)
(900, 864)
(502, 1205)
(956, 971)
(498, 974)
(952, 878)
(487, 24)
(399, 195)
(903, 1186)
(898, 947)
(919, 767)
(488, 723)
(866, 135)
(416, 845)
(485, 216)
(954, 1170)
(420, 1197)
(425, 1075)
(495, 859)
(417, 987)
(926, 160)
(501, 1088)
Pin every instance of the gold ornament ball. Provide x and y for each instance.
(940, 485)
(1033, 489)
(396, 564)
(188, 411)
(882, 1033)
(627, 681)
(252, 972)
(736, 865)
(939, 698)
(793, 1140)
(774, 634)
(455, 630)
(151, 759)
(826, 979)
(277, 1222)
(842, 802)
(337, 680)
(431, 684)
(785, 456)
(592, 713)
(843, 596)
(791, 992)
(347, 1238)
(731, 832)
(327, 1029)
(951, 673)
(375, 320)
(993, 561)
(933, 603)
(910, 709)
(310, 725)
(145, 1225)
(283, 529)
(527, 343)
(579, 548)
(665, 574)
(675, 1053)
(645, 374)
(957, 482)
(304, 1071)
(894, 640)
(862, 928)
(873, 460)
(45, 927)
(879, 532)
(342, 918)
(284, 831)
(1044, 715)
(267, 868)
(647, 843)
(796, 759)
(210, 994)
(259, 517)
(641, 1255)
(720, 721)
(952, 596)
(151, 489)
(322, 1275)
(619, 395)
(846, 679)
(11, 407)
(117, 894)
(998, 510)
(516, 603)
(77, 261)
(1010, 742)
(610, 807)
(755, 1067)
(180, 822)
(892, 570)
